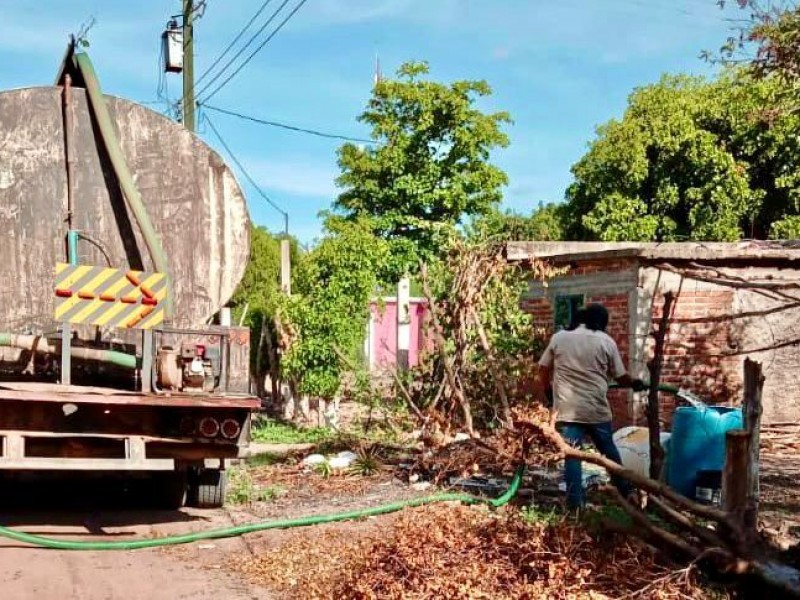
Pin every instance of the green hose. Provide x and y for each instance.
(27, 342)
(662, 387)
(238, 530)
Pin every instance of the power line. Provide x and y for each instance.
(289, 127)
(256, 51)
(247, 175)
(252, 39)
(233, 43)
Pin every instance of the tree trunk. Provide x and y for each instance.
(441, 347)
(498, 377)
(259, 353)
(653, 412)
(274, 370)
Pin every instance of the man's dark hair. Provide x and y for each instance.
(578, 318)
(595, 317)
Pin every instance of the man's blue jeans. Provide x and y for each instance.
(601, 436)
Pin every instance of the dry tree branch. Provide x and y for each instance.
(649, 528)
(685, 522)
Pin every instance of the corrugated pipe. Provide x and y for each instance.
(112, 357)
(112, 146)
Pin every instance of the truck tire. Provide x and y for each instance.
(172, 490)
(209, 488)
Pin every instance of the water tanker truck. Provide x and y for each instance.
(122, 238)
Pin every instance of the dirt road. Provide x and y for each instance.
(71, 510)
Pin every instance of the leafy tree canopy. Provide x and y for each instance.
(768, 39)
(690, 159)
(329, 311)
(430, 165)
(544, 224)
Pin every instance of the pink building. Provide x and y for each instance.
(385, 329)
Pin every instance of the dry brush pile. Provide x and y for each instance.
(482, 345)
(468, 553)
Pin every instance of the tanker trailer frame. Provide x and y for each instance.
(107, 364)
(183, 439)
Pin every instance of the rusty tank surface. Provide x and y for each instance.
(193, 200)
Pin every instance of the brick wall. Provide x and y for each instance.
(699, 334)
(542, 312)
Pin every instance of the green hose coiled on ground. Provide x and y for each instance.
(238, 530)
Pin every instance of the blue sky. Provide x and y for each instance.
(560, 69)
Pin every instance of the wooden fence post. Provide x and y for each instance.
(751, 408)
(653, 412)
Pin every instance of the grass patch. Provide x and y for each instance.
(269, 431)
(265, 459)
(538, 514)
(243, 490)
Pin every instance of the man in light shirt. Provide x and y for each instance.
(574, 370)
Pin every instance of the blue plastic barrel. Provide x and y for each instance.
(698, 443)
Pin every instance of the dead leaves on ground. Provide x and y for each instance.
(464, 553)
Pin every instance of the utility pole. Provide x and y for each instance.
(188, 65)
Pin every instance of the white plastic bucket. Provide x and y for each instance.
(634, 448)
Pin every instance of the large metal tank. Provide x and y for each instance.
(191, 196)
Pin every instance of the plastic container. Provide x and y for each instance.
(698, 444)
(633, 444)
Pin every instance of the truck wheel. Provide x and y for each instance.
(173, 489)
(209, 488)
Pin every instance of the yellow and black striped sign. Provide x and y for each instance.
(109, 297)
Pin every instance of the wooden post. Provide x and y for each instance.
(403, 323)
(735, 484)
(286, 267)
(751, 408)
(653, 412)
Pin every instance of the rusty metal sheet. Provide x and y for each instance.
(74, 395)
(192, 197)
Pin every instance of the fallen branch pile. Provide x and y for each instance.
(468, 553)
(480, 341)
(495, 456)
(704, 534)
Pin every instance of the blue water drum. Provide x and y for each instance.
(698, 443)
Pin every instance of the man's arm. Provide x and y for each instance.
(626, 381)
(544, 375)
(544, 386)
(620, 373)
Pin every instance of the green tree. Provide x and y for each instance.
(429, 168)
(329, 310)
(258, 295)
(768, 38)
(545, 224)
(690, 159)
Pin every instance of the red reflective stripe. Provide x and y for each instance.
(146, 312)
(63, 293)
(149, 301)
